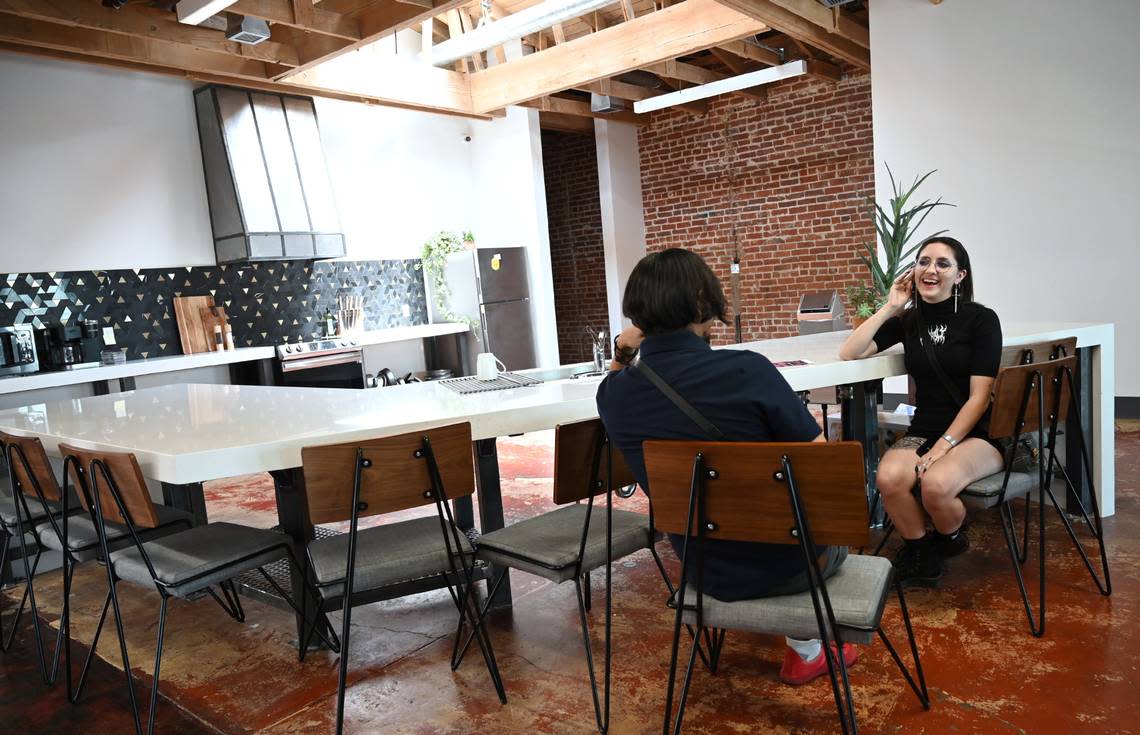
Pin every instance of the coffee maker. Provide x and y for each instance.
(69, 346)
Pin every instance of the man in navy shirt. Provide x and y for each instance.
(672, 298)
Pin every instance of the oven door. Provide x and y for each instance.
(340, 370)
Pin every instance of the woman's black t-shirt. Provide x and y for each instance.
(965, 343)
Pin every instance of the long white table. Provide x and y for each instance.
(183, 435)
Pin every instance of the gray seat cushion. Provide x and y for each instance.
(385, 555)
(547, 545)
(8, 511)
(858, 592)
(83, 541)
(985, 492)
(192, 560)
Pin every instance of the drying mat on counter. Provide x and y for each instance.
(471, 384)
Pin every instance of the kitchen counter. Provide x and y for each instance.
(171, 363)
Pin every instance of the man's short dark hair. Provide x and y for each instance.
(670, 290)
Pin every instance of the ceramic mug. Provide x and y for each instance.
(487, 366)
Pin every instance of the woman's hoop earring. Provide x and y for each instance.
(955, 298)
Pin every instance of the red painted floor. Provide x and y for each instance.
(986, 673)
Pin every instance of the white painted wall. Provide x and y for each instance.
(623, 215)
(102, 169)
(398, 176)
(99, 168)
(1029, 110)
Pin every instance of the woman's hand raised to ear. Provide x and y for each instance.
(902, 290)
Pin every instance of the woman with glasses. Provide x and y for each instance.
(952, 349)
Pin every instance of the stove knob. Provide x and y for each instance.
(352, 342)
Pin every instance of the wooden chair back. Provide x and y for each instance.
(32, 449)
(125, 472)
(396, 480)
(746, 501)
(578, 448)
(1009, 394)
(1038, 351)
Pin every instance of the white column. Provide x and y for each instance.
(623, 215)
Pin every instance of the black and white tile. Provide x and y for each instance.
(266, 302)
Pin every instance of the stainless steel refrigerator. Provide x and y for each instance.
(491, 286)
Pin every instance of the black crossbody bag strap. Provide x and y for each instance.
(686, 408)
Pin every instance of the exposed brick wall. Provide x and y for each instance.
(794, 177)
(570, 165)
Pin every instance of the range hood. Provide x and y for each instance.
(266, 180)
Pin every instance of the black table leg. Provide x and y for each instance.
(188, 497)
(1077, 431)
(491, 506)
(859, 410)
(293, 517)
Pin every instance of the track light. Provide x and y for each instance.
(721, 86)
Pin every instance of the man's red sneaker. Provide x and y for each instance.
(796, 671)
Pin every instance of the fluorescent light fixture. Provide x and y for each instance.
(193, 12)
(512, 27)
(722, 86)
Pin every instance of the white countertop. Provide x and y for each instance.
(188, 432)
(169, 363)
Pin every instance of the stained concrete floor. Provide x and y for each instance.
(986, 673)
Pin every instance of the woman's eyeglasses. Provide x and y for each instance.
(941, 264)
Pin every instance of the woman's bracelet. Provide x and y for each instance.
(623, 355)
(950, 440)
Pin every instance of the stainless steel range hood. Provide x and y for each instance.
(266, 179)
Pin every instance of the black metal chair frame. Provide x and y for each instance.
(821, 602)
(581, 588)
(460, 575)
(1061, 378)
(19, 503)
(232, 605)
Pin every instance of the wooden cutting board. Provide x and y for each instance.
(188, 313)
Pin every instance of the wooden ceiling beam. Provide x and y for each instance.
(832, 20)
(135, 20)
(775, 15)
(579, 108)
(752, 52)
(376, 23)
(565, 123)
(681, 29)
(89, 42)
(282, 13)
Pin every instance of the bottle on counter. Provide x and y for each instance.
(330, 323)
(218, 339)
(229, 338)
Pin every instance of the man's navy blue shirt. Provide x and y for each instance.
(741, 393)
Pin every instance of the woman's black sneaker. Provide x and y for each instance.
(918, 564)
(952, 545)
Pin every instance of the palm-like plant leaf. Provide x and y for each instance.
(895, 229)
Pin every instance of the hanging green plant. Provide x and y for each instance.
(433, 259)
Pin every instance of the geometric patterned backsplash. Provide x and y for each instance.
(267, 302)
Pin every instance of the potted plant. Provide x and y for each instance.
(864, 302)
(895, 227)
(468, 240)
(433, 260)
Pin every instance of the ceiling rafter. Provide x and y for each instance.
(135, 20)
(773, 14)
(282, 13)
(376, 22)
(678, 30)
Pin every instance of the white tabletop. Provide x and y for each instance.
(189, 433)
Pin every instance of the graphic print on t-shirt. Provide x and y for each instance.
(937, 334)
